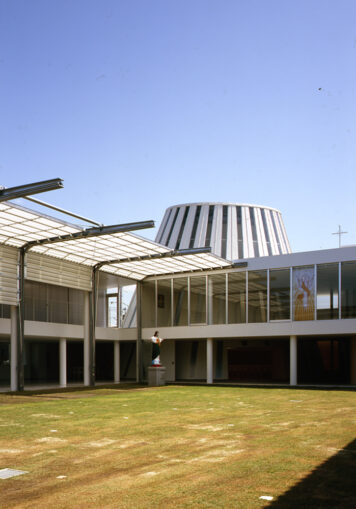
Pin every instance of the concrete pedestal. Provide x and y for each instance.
(156, 376)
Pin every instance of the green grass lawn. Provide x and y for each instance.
(204, 447)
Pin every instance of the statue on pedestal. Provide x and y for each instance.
(156, 350)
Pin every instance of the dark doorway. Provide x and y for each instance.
(104, 361)
(127, 360)
(41, 362)
(263, 363)
(4, 363)
(75, 361)
(324, 361)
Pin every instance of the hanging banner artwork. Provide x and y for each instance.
(303, 293)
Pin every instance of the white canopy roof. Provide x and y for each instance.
(19, 225)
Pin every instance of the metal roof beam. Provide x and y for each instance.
(191, 271)
(11, 193)
(167, 254)
(91, 232)
(62, 211)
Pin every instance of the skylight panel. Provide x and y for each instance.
(49, 222)
(22, 213)
(10, 217)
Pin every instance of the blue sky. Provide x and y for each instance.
(142, 104)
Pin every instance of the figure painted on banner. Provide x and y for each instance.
(303, 285)
(156, 350)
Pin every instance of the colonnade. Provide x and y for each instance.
(14, 358)
(63, 363)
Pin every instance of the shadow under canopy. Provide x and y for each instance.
(331, 485)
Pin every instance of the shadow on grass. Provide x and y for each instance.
(124, 386)
(331, 485)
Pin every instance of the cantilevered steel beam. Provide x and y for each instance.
(92, 232)
(62, 211)
(168, 254)
(11, 193)
(96, 267)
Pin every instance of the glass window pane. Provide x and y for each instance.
(127, 306)
(198, 300)
(279, 291)
(328, 291)
(76, 306)
(112, 307)
(348, 290)
(257, 296)
(303, 293)
(217, 298)
(57, 304)
(35, 301)
(148, 304)
(5, 311)
(164, 308)
(237, 297)
(180, 301)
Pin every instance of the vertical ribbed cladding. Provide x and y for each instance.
(233, 231)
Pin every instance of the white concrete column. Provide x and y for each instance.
(209, 360)
(13, 349)
(293, 360)
(117, 361)
(210, 301)
(63, 362)
(86, 338)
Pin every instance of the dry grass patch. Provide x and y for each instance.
(173, 447)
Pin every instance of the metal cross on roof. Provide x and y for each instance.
(339, 233)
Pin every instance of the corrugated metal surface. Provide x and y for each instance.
(8, 275)
(260, 233)
(216, 231)
(188, 228)
(45, 269)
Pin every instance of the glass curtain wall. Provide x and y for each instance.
(112, 307)
(216, 292)
(327, 291)
(57, 304)
(35, 301)
(180, 301)
(164, 308)
(75, 306)
(148, 304)
(54, 304)
(348, 290)
(5, 311)
(127, 305)
(257, 296)
(303, 293)
(236, 298)
(279, 294)
(217, 298)
(198, 300)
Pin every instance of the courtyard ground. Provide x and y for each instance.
(199, 447)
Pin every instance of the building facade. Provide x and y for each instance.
(281, 318)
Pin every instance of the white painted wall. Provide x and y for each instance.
(168, 359)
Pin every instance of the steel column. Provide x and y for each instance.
(92, 314)
(139, 356)
(13, 349)
(21, 321)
